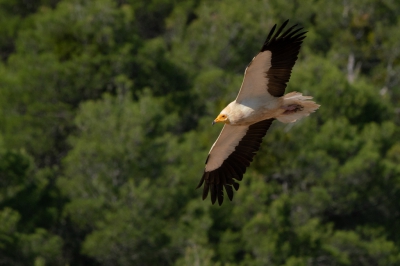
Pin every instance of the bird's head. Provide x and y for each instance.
(221, 118)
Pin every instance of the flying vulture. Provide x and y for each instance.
(260, 101)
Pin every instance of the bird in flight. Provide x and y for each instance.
(247, 119)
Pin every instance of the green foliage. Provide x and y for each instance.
(105, 123)
(21, 238)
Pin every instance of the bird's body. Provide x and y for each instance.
(260, 100)
(251, 111)
(285, 109)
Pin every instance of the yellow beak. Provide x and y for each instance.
(219, 119)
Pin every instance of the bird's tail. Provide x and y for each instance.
(296, 106)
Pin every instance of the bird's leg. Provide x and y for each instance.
(292, 108)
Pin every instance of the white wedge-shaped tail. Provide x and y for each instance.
(296, 106)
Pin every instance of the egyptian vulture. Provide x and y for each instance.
(260, 101)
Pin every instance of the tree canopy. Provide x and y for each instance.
(105, 124)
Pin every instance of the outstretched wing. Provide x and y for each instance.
(231, 153)
(268, 72)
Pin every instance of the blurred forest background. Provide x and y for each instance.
(105, 124)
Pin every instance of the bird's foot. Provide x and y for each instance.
(292, 108)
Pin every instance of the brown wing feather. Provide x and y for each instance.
(234, 166)
(284, 49)
(269, 71)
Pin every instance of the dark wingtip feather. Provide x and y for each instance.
(290, 34)
(205, 190)
(298, 35)
(289, 30)
(220, 193)
(205, 177)
(277, 35)
(236, 186)
(213, 194)
(280, 29)
(229, 191)
(201, 181)
(270, 34)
